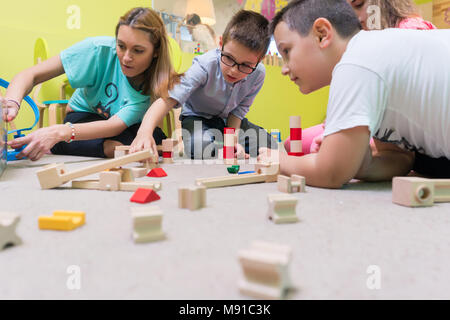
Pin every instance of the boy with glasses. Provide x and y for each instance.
(217, 92)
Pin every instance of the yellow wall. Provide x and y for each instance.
(280, 98)
(27, 20)
(23, 21)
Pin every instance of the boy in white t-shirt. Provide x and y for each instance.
(393, 85)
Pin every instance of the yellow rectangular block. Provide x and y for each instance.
(62, 220)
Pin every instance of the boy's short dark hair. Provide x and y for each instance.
(250, 29)
(300, 15)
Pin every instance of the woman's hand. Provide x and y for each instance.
(39, 142)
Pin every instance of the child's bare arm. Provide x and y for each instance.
(154, 115)
(23, 83)
(337, 162)
(386, 162)
(42, 140)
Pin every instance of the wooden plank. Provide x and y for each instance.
(441, 190)
(225, 181)
(124, 186)
(54, 175)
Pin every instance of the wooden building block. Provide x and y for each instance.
(192, 198)
(167, 150)
(119, 153)
(292, 184)
(124, 186)
(419, 192)
(109, 180)
(441, 189)
(282, 208)
(139, 172)
(168, 145)
(168, 160)
(8, 225)
(265, 269)
(270, 170)
(123, 148)
(295, 136)
(295, 122)
(147, 224)
(126, 174)
(296, 146)
(62, 220)
(54, 175)
(142, 195)
(229, 144)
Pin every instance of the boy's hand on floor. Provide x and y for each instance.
(142, 142)
(240, 152)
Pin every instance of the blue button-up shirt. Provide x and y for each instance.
(204, 92)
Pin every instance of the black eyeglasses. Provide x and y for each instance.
(229, 61)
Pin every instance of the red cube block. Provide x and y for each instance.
(142, 195)
(157, 173)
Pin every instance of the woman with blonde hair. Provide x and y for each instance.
(116, 79)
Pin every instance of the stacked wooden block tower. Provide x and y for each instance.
(296, 136)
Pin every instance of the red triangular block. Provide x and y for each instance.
(142, 195)
(157, 172)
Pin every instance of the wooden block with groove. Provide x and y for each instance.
(147, 224)
(294, 183)
(419, 192)
(282, 208)
(265, 269)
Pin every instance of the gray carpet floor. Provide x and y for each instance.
(340, 234)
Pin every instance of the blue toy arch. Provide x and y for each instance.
(18, 132)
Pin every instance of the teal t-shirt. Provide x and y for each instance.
(93, 68)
